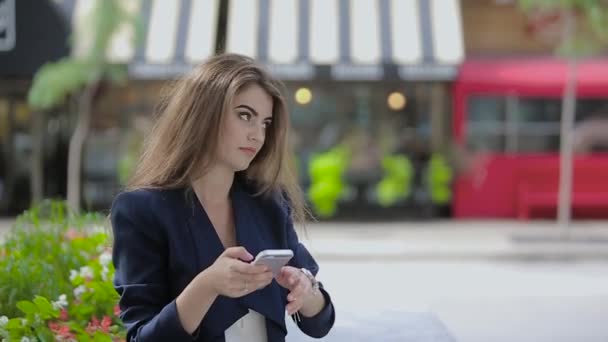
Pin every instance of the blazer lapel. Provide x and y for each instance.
(224, 311)
(207, 244)
(253, 232)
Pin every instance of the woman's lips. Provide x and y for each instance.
(248, 150)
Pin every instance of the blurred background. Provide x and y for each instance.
(437, 141)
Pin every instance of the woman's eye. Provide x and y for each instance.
(245, 116)
(267, 124)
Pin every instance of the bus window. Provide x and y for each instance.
(591, 125)
(512, 124)
(537, 125)
(485, 124)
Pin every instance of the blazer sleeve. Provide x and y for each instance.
(140, 258)
(319, 325)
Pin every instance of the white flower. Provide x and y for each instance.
(62, 302)
(86, 272)
(79, 291)
(97, 229)
(104, 273)
(3, 320)
(63, 299)
(73, 275)
(105, 258)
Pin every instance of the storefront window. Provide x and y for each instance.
(371, 121)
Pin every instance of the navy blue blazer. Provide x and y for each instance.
(164, 238)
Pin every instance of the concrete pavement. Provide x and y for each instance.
(449, 240)
(457, 240)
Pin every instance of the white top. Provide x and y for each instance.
(250, 328)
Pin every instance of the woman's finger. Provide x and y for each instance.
(245, 268)
(238, 253)
(244, 284)
(260, 277)
(296, 294)
(293, 307)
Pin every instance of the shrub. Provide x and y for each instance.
(57, 279)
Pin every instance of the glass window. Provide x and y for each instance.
(486, 124)
(371, 119)
(538, 110)
(532, 125)
(591, 125)
(487, 109)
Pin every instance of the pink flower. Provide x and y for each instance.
(73, 234)
(61, 331)
(106, 321)
(116, 310)
(93, 326)
(63, 315)
(54, 327)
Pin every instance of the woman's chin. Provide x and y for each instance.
(240, 167)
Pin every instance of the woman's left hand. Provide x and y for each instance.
(299, 286)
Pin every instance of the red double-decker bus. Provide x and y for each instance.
(507, 115)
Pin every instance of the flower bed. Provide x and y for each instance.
(56, 283)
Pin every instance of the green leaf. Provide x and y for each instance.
(84, 338)
(45, 308)
(45, 335)
(76, 328)
(14, 323)
(101, 337)
(55, 80)
(27, 307)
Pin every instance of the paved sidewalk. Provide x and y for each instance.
(457, 240)
(449, 240)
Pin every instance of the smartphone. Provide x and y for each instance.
(274, 259)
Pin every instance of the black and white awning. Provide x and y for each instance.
(297, 39)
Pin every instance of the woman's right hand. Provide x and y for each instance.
(232, 276)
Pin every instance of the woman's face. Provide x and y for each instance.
(244, 129)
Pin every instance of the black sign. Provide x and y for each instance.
(7, 25)
(32, 33)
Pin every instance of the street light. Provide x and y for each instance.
(396, 101)
(303, 96)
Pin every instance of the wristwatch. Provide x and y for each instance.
(313, 280)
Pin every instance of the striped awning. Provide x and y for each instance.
(297, 39)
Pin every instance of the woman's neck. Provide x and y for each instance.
(214, 187)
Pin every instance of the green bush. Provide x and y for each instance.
(56, 282)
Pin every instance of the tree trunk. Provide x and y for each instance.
(76, 146)
(566, 163)
(564, 209)
(37, 158)
(7, 200)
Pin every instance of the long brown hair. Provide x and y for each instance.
(183, 141)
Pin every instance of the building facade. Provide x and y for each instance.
(371, 76)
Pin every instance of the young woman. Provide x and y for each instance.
(212, 189)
